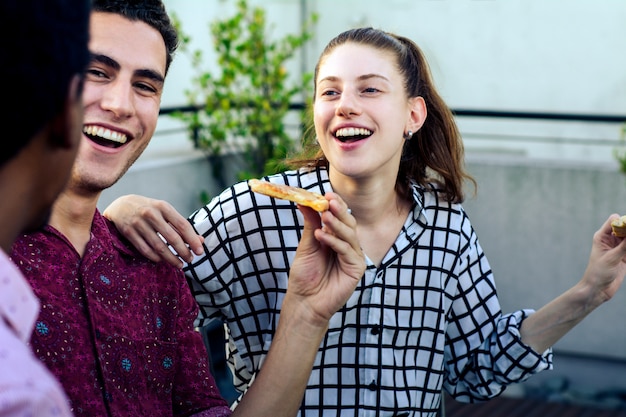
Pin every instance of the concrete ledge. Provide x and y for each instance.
(179, 179)
(535, 221)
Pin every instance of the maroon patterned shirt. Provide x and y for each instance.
(115, 328)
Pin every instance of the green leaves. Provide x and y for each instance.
(247, 100)
(620, 152)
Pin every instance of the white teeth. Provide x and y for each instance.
(105, 134)
(353, 131)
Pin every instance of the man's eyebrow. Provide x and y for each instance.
(106, 60)
(150, 74)
(143, 73)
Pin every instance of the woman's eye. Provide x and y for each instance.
(329, 93)
(371, 90)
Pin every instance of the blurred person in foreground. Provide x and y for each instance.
(43, 55)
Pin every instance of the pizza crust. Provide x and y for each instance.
(619, 226)
(287, 192)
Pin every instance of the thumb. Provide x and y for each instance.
(312, 221)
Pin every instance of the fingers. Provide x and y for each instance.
(312, 218)
(164, 225)
(308, 243)
(149, 235)
(340, 234)
(607, 229)
(181, 235)
(607, 262)
(335, 227)
(150, 225)
(339, 222)
(175, 230)
(605, 236)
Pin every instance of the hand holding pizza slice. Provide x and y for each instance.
(619, 226)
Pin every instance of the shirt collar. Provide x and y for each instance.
(419, 213)
(105, 230)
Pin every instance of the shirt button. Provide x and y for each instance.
(375, 330)
(372, 386)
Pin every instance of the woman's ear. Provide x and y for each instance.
(417, 114)
(66, 127)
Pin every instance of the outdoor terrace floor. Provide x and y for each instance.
(525, 407)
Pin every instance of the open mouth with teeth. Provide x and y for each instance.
(105, 137)
(352, 134)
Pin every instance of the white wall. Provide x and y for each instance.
(535, 55)
(541, 55)
(563, 56)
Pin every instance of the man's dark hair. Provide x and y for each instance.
(151, 12)
(45, 45)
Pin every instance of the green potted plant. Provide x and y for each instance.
(245, 102)
(620, 151)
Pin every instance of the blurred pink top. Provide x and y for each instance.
(27, 388)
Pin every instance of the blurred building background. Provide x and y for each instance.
(539, 87)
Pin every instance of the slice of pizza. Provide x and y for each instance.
(619, 226)
(287, 192)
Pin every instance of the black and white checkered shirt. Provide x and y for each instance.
(428, 317)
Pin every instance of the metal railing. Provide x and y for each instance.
(601, 118)
(572, 117)
(616, 119)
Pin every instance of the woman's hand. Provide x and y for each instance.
(148, 224)
(328, 265)
(607, 263)
(329, 261)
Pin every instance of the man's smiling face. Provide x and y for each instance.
(122, 97)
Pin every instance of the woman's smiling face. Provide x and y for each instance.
(361, 111)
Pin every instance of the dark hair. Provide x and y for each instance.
(44, 47)
(151, 12)
(437, 148)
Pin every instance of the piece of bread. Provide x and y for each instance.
(619, 226)
(287, 192)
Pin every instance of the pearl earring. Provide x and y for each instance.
(409, 135)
